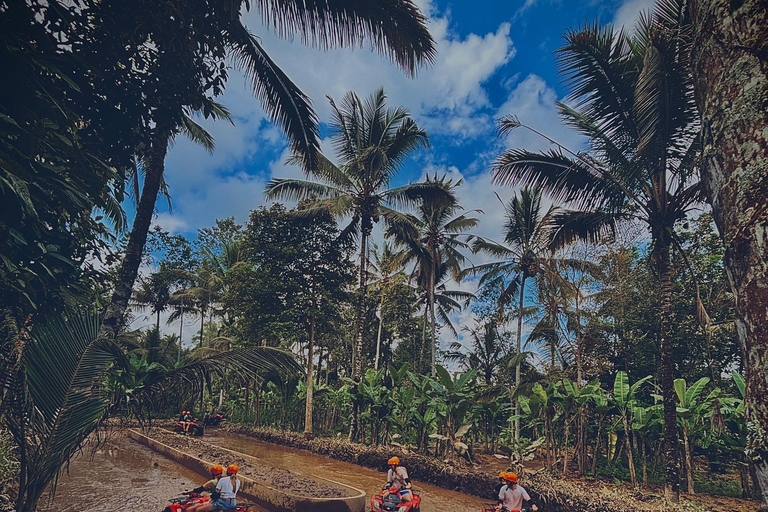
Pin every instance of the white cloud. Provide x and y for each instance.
(533, 101)
(629, 12)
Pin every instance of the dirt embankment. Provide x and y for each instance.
(281, 479)
(558, 495)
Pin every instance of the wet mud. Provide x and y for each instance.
(281, 478)
(121, 476)
(434, 499)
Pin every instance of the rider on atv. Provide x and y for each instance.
(397, 478)
(512, 496)
(217, 472)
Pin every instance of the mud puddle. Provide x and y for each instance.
(122, 476)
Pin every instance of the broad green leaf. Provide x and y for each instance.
(740, 383)
(695, 390)
(680, 390)
(621, 388)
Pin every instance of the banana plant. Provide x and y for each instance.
(602, 408)
(457, 396)
(644, 419)
(578, 399)
(423, 415)
(624, 399)
(690, 413)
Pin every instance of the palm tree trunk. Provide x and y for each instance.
(181, 332)
(202, 326)
(310, 383)
(157, 325)
(645, 463)
(597, 447)
(114, 319)
(519, 359)
(424, 335)
(434, 323)
(378, 336)
(357, 349)
(671, 463)
(731, 84)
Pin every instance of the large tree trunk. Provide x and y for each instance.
(114, 320)
(671, 460)
(730, 66)
(310, 383)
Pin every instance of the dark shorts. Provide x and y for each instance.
(225, 504)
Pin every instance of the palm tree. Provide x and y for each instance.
(524, 256)
(154, 293)
(389, 265)
(632, 97)
(372, 142)
(397, 30)
(487, 351)
(433, 240)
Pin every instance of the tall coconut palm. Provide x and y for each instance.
(396, 29)
(523, 254)
(434, 239)
(372, 142)
(632, 96)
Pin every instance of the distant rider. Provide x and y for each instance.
(228, 487)
(397, 477)
(511, 495)
(217, 472)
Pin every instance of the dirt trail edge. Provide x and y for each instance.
(558, 495)
(276, 489)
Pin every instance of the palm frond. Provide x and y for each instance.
(395, 29)
(286, 105)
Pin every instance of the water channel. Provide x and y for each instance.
(125, 476)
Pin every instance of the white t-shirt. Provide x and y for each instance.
(225, 487)
(513, 499)
(397, 477)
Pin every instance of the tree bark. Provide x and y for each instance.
(310, 382)
(730, 67)
(628, 447)
(433, 321)
(114, 320)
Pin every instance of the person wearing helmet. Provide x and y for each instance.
(498, 486)
(511, 495)
(227, 488)
(397, 477)
(217, 472)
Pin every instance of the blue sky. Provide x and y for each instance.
(495, 57)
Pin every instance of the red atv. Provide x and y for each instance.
(189, 427)
(182, 503)
(391, 502)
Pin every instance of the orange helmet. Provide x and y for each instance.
(502, 474)
(393, 460)
(511, 477)
(218, 469)
(232, 469)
